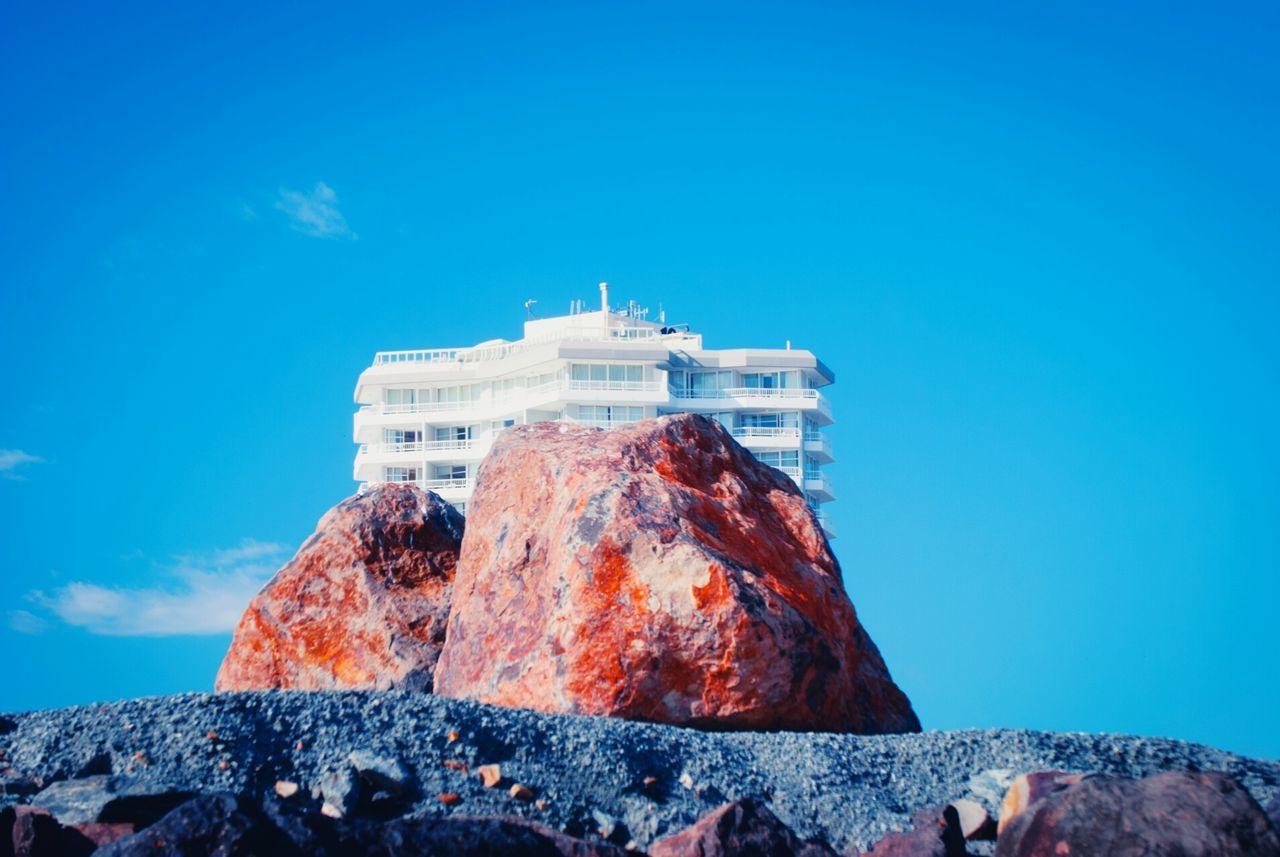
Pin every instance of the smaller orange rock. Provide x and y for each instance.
(330, 810)
(490, 775)
(286, 789)
(222, 766)
(211, 735)
(298, 746)
(541, 804)
(1029, 788)
(455, 765)
(453, 735)
(520, 792)
(449, 798)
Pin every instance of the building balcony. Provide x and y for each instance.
(799, 398)
(824, 521)
(761, 437)
(542, 396)
(818, 486)
(819, 447)
(371, 457)
(449, 489)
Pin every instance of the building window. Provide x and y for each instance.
(611, 374)
(605, 416)
(780, 458)
(769, 380)
(700, 383)
(725, 418)
(451, 471)
(401, 474)
(400, 436)
(453, 433)
(400, 397)
(777, 419)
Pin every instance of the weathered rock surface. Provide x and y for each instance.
(231, 824)
(1029, 788)
(657, 572)
(363, 603)
(849, 790)
(109, 800)
(739, 828)
(1179, 814)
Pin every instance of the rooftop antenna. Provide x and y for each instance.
(604, 307)
(528, 307)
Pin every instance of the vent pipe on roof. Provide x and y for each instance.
(604, 307)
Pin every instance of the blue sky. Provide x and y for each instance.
(1037, 246)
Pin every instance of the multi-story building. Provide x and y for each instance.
(429, 417)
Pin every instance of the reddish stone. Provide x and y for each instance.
(657, 572)
(105, 834)
(742, 827)
(1029, 788)
(1174, 814)
(363, 603)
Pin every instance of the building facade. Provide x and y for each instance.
(429, 417)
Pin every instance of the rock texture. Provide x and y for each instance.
(363, 603)
(651, 779)
(657, 572)
(1029, 788)
(1179, 814)
(739, 828)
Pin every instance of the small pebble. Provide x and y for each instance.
(449, 798)
(520, 792)
(490, 775)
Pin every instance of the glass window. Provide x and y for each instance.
(400, 474)
(399, 397)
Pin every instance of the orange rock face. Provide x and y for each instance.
(657, 572)
(363, 603)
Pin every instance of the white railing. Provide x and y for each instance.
(748, 393)
(423, 407)
(793, 472)
(619, 386)
(513, 397)
(766, 431)
(812, 439)
(421, 446)
(482, 354)
(445, 484)
(817, 481)
(600, 424)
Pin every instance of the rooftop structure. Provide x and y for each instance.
(429, 416)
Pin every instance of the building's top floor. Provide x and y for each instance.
(603, 335)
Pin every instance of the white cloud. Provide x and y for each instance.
(202, 594)
(26, 622)
(315, 213)
(12, 459)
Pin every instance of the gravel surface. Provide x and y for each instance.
(589, 771)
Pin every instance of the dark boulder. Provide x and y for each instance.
(740, 828)
(1179, 814)
(222, 824)
(109, 800)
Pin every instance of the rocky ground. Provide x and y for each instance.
(631, 781)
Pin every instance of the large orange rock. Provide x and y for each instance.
(363, 603)
(658, 572)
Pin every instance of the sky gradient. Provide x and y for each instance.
(1037, 247)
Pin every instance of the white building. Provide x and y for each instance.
(429, 417)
